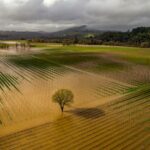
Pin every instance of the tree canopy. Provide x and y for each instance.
(63, 97)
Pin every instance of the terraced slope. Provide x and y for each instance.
(122, 124)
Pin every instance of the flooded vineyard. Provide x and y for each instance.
(106, 113)
(27, 90)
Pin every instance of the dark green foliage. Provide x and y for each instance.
(63, 97)
(132, 38)
(141, 30)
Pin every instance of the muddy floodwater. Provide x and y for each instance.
(107, 113)
(32, 96)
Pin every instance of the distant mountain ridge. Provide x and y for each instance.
(71, 32)
(84, 34)
(18, 35)
(75, 31)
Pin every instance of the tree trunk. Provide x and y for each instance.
(62, 108)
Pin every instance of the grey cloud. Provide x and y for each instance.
(102, 14)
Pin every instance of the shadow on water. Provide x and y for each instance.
(88, 113)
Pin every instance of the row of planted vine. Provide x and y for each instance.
(122, 125)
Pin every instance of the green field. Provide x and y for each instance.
(111, 86)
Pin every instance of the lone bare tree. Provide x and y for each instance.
(63, 97)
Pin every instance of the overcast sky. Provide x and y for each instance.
(53, 15)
